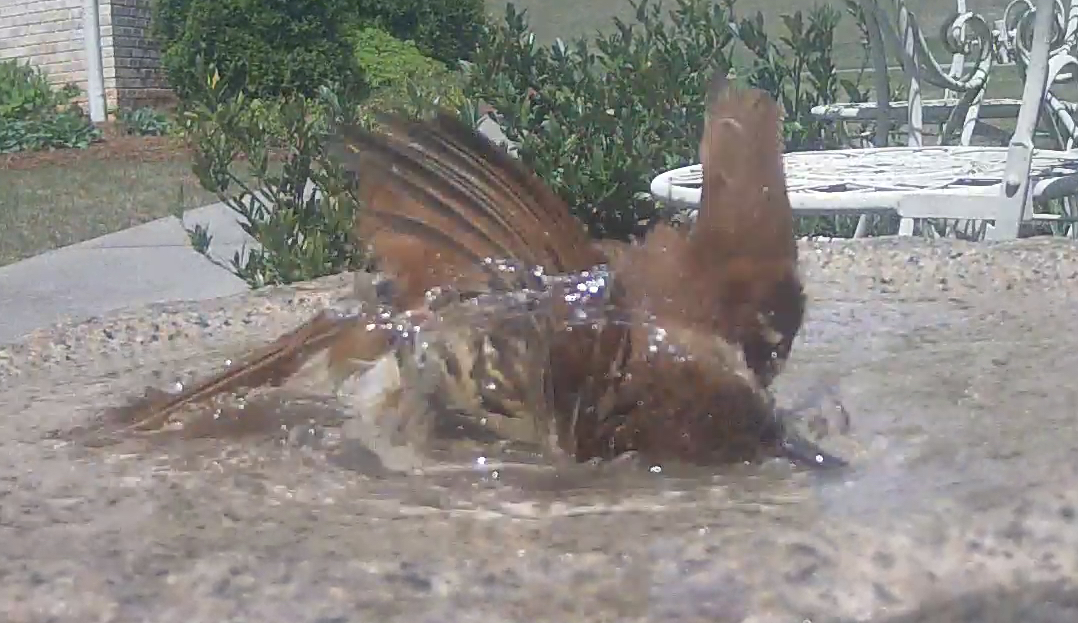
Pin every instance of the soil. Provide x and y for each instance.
(115, 145)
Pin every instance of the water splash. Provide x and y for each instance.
(475, 367)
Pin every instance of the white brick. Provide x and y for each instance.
(18, 8)
(48, 34)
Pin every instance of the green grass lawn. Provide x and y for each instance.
(54, 205)
(569, 18)
(550, 19)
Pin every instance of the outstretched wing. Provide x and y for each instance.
(269, 365)
(439, 199)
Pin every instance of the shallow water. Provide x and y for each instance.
(929, 390)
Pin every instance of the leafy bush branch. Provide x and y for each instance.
(289, 197)
(598, 117)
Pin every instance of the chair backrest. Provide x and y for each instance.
(1062, 63)
(1040, 62)
(895, 32)
(1041, 34)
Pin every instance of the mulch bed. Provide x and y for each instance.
(140, 148)
(115, 146)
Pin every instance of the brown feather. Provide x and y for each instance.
(269, 365)
(713, 311)
(744, 231)
(735, 273)
(439, 199)
(441, 187)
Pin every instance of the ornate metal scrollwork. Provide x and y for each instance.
(1062, 63)
(966, 33)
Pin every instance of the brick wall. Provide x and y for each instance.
(48, 33)
(131, 59)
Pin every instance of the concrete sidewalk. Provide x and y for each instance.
(151, 263)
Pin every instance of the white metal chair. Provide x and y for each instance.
(963, 105)
(1060, 122)
(943, 181)
(969, 37)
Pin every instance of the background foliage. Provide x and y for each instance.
(144, 121)
(600, 116)
(302, 234)
(596, 117)
(446, 30)
(265, 48)
(400, 75)
(36, 115)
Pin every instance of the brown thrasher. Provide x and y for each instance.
(667, 348)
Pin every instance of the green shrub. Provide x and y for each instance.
(36, 115)
(257, 155)
(799, 70)
(598, 118)
(145, 121)
(446, 30)
(301, 235)
(25, 90)
(264, 47)
(401, 76)
(387, 61)
(64, 129)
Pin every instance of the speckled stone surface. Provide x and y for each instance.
(955, 360)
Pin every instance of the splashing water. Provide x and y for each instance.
(474, 370)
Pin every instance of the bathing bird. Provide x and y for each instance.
(497, 313)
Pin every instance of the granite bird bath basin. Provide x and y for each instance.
(955, 362)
